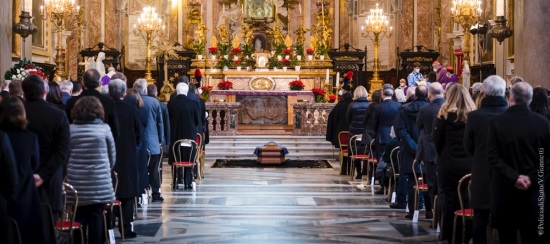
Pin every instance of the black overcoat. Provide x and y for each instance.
(184, 119)
(337, 121)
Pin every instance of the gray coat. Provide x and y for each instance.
(92, 156)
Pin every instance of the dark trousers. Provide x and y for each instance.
(431, 180)
(480, 223)
(510, 236)
(450, 205)
(154, 176)
(401, 190)
(127, 213)
(422, 195)
(91, 217)
(185, 173)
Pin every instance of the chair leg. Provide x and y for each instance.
(415, 200)
(351, 169)
(434, 222)
(174, 177)
(463, 229)
(454, 230)
(341, 159)
(121, 220)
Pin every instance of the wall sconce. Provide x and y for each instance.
(500, 31)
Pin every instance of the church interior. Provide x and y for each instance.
(271, 70)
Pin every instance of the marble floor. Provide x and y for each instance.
(270, 205)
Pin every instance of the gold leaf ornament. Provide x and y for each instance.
(288, 41)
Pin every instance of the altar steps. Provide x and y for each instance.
(265, 129)
(242, 147)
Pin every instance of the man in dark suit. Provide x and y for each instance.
(153, 134)
(90, 81)
(475, 143)
(337, 123)
(426, 148)
(407, 132)
(51, 126)
(184, 119)
(5, 89)
(519, 142)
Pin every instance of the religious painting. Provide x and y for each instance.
(259, 43)
(486, 43)
(40, 43)
(258, 9)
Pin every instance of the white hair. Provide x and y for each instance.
(476, 87)
(494, 85)
(66, 86)
(141, 85)
(400, 95)
(182, 88)
(521, 93)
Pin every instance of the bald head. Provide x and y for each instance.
(421, 92)
(435, 91)
(521, 93)
(410, 92)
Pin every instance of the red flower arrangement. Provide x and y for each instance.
(37, 72)
(225, 85)
(237, 62)
(310, 51)
(332, 98)
(206, 92)
(287, 51)
(213, 50)
(285, 62)
(296, 85)
(319, 95)
(236, 50)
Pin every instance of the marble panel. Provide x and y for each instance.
(406, 25)
(344, 24)
(262, 110)
(111, 24)
(93, 23)
(426, 18)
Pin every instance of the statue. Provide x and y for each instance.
(301, 35)
(223, 32)
(312, 42)
(99, 66)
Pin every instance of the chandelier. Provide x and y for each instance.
(58, 7)
(149, 25)
(376, 23)
(466, 12)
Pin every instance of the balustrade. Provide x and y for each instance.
(223, 118)
(311, 118)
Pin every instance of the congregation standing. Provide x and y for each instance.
(497, 135)
(71, 133)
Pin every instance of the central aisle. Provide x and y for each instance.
(270, 205)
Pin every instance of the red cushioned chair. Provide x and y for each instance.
(343, 140)
(465, 213)
(116, 203)
(66, 222)
(354, 142)
(184, 160)
(420, 186)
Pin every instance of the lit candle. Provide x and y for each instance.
(500, 7)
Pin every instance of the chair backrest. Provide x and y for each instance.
(393, 151)
(69, 210)
(198, 139)
(419, 179)
(355, 144)
(115, 180)
(371, 145)
(185, 150)
(343, 139)
(465, 179)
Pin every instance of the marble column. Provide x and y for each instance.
(533, 39)
(6, 17)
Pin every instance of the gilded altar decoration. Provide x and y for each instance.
(288, 41)
(262, 83)
(167, 51)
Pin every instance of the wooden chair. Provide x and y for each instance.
(419, 186)
(183, 160)
(343, 141)
(114, 204)
(355, 154)
(371, 161)
(66, 222)
(200, 172)
(393, 179)
(465, 213)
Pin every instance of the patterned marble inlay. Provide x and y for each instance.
(251, 205)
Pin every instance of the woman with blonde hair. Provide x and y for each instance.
(453, 160)
(355, 118)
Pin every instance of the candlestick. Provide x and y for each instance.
(500, 7)
(327, 77)
(337, 80)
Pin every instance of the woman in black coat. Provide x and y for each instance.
(126, 153)
(133, 98)
(355, 117)
(26, 208)
(453, 161)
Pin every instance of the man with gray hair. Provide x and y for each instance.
(153, 135)
(5, 89)
(425, 150)
(381, 123)
(518, 145)
(66, 88)
(184, 120)
(475, 143)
